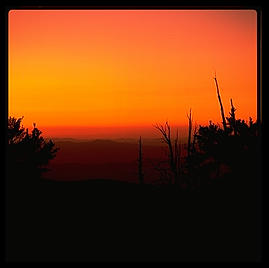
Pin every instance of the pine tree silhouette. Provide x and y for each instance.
(28, 153)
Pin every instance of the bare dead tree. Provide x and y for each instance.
(195, 132)
(166, 138)
(221, 106)
(177, 158)
(140, 170)
(189, 133)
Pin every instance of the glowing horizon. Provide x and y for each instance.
(129, 68)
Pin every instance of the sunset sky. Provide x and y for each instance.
(70, 70)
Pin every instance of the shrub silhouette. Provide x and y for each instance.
(28, 153)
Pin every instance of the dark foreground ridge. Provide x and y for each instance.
(205, 207)
(105, 220)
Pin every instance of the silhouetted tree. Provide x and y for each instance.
(140, 171)
(236, 148)
(189, 133)
(231, 120)
(173, 151)
(28, 153)
(177, 152)
(194, 138)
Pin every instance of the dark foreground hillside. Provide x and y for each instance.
(104, 220)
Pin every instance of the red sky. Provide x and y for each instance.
(70, 70)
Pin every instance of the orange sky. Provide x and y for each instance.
(130, 67)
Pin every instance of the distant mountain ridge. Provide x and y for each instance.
(156, 141)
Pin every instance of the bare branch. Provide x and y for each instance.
(165, 130)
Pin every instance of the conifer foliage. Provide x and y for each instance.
(28, 153)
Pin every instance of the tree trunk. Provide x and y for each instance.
(221, 106)
(140, 171)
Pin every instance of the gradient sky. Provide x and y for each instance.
(106, 68)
